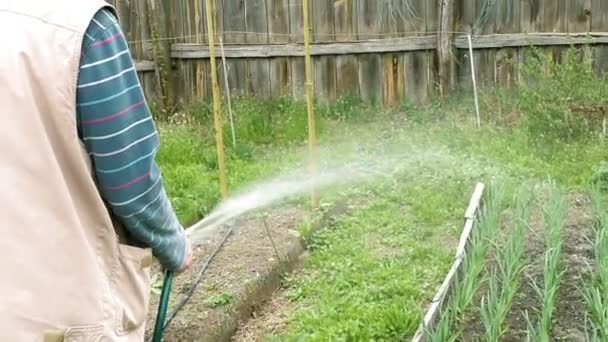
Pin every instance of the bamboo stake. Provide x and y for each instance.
(198, 83)
(217, 111)
(474, 81)
(310, 107)
(227, 91)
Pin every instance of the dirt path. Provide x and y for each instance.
(269, 319)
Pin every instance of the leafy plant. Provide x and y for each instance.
(220, 300)
(560, 99)
(156, 286)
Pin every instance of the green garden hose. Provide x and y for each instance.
(163, 304)
(162, 321)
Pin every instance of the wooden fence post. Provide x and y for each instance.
(445, 46)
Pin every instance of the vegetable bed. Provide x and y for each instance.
(529, 271)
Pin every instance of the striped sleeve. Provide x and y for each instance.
(116, 127)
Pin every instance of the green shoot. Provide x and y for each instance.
(481, 240)
(554, 216)
(596, 292)
(505, 279)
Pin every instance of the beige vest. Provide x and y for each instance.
(65, 274)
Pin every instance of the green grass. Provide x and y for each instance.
(371, 275)
(370, 285)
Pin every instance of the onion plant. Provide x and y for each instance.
(555, 212)
(596, 291)
(506, 276)
(471, 278)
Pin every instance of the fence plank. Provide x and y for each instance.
(296, 21)
(278, 21)
(508, 20)
(391, 18)
(258, 76)
(298, 77)
(552, 14)
(324, 67)
(322, 21)
(445, 47)
(325, 78)
(466, 15)
(234, 21)
(233, 17)
(237, 76)
(370, 77)
(421, 65)
(278, 29)
(280, 77)
(599, 22)
(256, 22)
(578, 16)
(256, 25)
(345, 21)
(431, 18)
(297, 50)
(347, 73)
(347, 76)
(367, 19)
(532, 39)
(487, 14)
(393, 79)
(218, 16)
(418, 26)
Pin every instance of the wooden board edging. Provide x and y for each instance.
(439, 298)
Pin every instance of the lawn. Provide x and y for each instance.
(372, 273)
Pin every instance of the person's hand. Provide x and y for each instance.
(189, 257)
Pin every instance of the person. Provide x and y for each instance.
(84, 207)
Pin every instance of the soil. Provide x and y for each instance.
(268, 319)
(230, 288)
(578, 258)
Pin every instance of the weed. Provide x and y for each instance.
(220, 300)
(560, 99)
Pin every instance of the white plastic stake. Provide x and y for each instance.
(228, 92)
(474, 81)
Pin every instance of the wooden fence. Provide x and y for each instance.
(380, 50)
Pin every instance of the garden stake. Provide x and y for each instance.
(162, 307)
